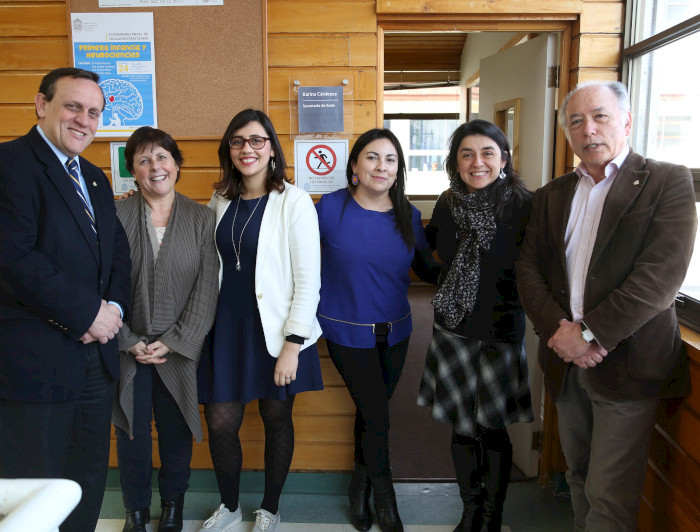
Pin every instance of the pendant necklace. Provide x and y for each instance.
(240, 238)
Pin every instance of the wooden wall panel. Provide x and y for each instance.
(322, 16)
(479, 6)
(609, 18)
(16, 120)
(19, 87)
(33, 54)
(664, 510)
(329, 50)
(599, 51)
(670, 499)
(31, 20)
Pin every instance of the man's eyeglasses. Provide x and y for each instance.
(257, 143)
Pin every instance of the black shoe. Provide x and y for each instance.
(137, 520)
(171, 516)
(498, 465)
(385, 505)
(466, 459)
(359, 492)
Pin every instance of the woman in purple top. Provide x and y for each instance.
(370, 234)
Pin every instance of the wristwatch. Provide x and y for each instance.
(587, 333)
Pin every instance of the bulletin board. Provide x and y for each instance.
(209, 62)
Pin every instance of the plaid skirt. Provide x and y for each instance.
(470, 382)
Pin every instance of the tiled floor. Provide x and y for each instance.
(318, 503)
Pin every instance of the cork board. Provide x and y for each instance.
(209, 62)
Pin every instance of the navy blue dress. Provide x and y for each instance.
(235, 364)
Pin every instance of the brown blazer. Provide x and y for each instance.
(640, 258)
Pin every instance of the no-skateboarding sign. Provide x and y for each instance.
(319, 165)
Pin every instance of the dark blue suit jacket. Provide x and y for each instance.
(53, 273)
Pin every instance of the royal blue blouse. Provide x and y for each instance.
(364, 271)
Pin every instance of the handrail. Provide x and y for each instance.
(39, 505)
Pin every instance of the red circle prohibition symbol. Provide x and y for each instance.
(328, 166)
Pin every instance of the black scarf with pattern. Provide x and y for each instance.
(475, 217)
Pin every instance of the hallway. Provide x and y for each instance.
(317, 502)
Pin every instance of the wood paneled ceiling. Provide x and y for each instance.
(426, 58)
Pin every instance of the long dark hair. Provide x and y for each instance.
(512, 179)
(230, 184)
(402, 208)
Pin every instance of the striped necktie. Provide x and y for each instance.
(72, 165)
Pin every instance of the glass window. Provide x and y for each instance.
(654, 16)
(424, 142)
(665, 91)
(666, 103)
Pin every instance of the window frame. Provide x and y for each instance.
(421, 116)
(687, 308)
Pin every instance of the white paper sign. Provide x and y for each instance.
(319, 165)
(122, 180)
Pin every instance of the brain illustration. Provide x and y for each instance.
(122, 99)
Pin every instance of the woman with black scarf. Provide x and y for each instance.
(476, 375)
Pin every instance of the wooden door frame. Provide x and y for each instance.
(562, 24)
(551, 457)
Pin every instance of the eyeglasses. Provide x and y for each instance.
(257, 143)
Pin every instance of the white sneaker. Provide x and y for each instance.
(265, 521)
(222, 520)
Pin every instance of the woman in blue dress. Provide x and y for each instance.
(263, 343)
(369, 236)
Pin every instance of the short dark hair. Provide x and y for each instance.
(230, 184)
(492, 131)
(47, 87)
(148, 136)
(402, 208)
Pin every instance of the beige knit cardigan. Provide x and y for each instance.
(173, 300)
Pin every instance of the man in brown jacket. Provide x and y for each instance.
(606, 250)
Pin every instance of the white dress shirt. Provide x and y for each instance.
(582, 227)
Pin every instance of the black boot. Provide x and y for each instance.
(137, 520)
(359, 492)
(497, 467)
(385, 504)
(171, 516)
(465, 457)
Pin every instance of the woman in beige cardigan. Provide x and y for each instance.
(174, 292)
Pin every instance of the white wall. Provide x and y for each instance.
(476, 47)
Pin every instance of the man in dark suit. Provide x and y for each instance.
(605, 252)
(64, 289)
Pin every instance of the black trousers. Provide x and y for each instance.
(63, 440)
(174, 443)
(371, 376)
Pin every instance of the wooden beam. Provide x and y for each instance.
(425, 7)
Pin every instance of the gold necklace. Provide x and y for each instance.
(240, 238)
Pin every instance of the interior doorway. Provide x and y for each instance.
(499, 69)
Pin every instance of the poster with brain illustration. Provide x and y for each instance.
(119, 47)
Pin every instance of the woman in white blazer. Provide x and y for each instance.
(263, 343)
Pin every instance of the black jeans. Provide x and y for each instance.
(174, 443)
(371, 376)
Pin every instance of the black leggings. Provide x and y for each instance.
(223, 423)
(371, 376)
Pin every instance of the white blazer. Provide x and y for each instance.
(288, 266)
